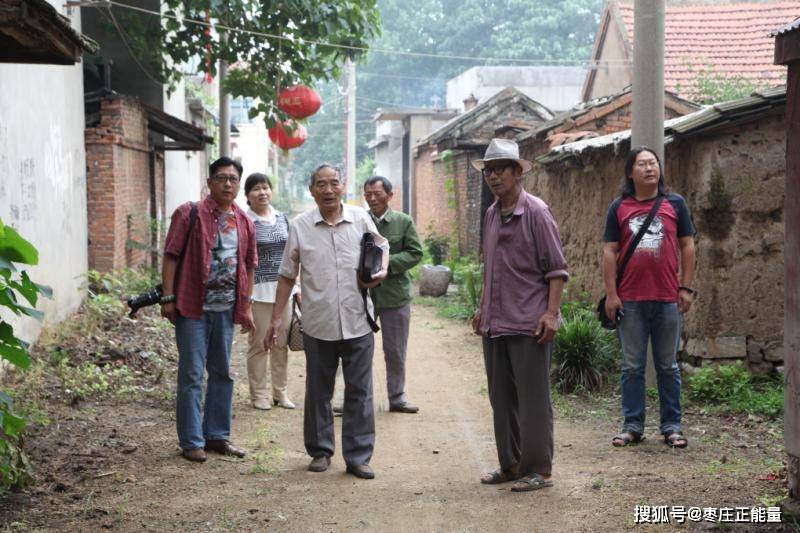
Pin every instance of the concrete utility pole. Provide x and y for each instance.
(224, 107)
(350, 134)
(647, 93)
(648, 75)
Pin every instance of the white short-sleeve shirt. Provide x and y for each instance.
(333, 308)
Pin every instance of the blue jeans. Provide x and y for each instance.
(659, 322)
(204, 344)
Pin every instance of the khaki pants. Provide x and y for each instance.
(257, 356)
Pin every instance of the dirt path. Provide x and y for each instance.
(427, 465)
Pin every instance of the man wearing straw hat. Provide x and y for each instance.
(524, 276)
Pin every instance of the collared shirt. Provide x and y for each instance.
(329, 253)
(196, 267)
(522, 255)
(405, 251)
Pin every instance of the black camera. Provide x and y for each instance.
(151, 297)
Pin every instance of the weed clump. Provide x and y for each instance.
(732, 388)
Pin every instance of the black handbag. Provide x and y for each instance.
(606, 321)
(370, 262)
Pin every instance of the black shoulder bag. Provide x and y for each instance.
(369, 263)
(153, 296)
(606, 321)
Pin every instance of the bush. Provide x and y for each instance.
(733, 388)
(438, 247)
(584, 354)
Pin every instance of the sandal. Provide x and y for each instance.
(529, 483)
(675, 439)
(625, 438)
(499, 476)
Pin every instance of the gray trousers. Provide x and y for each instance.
(518, 372)
(394, 330)
(358, 419)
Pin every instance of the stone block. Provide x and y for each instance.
(433, 280)
(730, 347)
(774, 352)
(755, 351)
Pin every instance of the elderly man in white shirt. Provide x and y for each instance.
(326, 241)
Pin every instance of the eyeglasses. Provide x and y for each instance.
(222, 178)
(497, 169)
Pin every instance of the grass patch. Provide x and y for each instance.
(732, 388)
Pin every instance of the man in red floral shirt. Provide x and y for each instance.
(205, 294)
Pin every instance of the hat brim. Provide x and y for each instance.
(526, 165)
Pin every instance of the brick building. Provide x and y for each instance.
(608, 114)
(449, 195)
(711, 41)
(125, 178)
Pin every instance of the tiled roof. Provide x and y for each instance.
(704, 121)
(729, 39)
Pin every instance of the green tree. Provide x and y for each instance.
(274, 43)
(15, 286)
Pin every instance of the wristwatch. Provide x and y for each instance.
(167, 299)
(687, 289)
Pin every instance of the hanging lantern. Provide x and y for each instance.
(288, 135)
(299, 101)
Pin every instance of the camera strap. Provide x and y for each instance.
(638, 238)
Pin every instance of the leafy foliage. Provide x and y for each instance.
(261, 65)
(733, 388)
(15, 286)
(711, 87)
(584, 353)
(437, 247)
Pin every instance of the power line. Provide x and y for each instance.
(624, 62)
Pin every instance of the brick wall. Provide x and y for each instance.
(118, 186)
(433, 211)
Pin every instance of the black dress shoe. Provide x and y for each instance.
(403, 408)
(320, 464)
(361, 471)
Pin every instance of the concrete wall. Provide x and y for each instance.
(43, 176)
(185, 171)
(557, 88)
(612, 77)
(739, 312)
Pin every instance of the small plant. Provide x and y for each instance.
(733, 388)
(583, 352)
(15, 285)
(437, 247)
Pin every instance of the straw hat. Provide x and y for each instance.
(502, 149)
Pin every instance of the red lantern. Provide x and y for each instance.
(288, 135)
(299, 101)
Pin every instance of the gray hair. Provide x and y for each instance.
(320, 168)
(387, 185)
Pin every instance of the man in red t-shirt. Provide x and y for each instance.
(654, 292)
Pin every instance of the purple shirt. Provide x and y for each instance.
(522, 255)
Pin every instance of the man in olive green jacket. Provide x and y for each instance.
(392, 298)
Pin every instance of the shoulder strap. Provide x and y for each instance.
(192, 220)
(637, 239)
(371, 321)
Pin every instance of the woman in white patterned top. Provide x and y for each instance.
(272, 230)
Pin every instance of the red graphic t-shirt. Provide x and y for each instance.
(652, 273)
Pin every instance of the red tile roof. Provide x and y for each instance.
(730, 40)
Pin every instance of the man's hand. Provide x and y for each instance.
(248, 324)
(377, 278)
(169, 312)
(613, 304)
(547, 327)
(476, 322)
(271, 337)
(685, 300)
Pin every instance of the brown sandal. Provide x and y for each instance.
(625, 438)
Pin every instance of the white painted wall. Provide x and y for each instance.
(252, 147)
(185, 173)
(43, 177)
(557, 88)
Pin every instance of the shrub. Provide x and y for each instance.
(733, 388)
(584, 353)
(437, 247)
